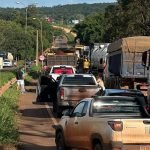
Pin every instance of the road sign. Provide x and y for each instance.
(42, 57)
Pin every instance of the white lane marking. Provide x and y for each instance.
(50, 114)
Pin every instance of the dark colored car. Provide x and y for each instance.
(126, 92)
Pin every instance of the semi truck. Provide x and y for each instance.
(124, 67)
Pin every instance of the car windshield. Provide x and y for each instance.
(63, 70)
(79, 80)
(116, 106)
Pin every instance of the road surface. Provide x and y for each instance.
(35, 123)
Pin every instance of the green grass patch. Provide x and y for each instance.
(5, 77)
(8, 118)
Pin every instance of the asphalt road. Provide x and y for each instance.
(35, 123)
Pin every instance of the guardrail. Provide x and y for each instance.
(7, 86)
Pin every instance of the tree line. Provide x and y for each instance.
(21, 42)
(125, 18)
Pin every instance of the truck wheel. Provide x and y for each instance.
(60, 142)
(97, 146)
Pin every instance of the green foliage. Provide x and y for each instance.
(5, 77)
(127, 18)
(34, 72)
(8, 119)
(63, 14)
(91, 29)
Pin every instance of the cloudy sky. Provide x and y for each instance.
(48, 3)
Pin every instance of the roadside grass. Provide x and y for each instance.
(8, 117)
(5, 77)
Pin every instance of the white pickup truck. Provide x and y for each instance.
(104, 123)
(72, 88)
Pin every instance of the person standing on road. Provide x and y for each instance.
(20, 80)
(86, 65)
(100, 82)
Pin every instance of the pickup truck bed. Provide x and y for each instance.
(74, 87)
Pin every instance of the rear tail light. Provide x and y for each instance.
(116, 125)
(61, 93)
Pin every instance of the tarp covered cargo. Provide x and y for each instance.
(125, 57)
(131, 44)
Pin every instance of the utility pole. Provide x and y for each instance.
(41, 35)
(37, 47)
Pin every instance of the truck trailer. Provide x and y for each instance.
(124, 67)
(61, 57)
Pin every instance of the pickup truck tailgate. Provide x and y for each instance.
(80, 92)
(136, 131)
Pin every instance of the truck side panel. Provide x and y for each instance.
(132, 66)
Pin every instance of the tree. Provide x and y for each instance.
(127, 18)
(91, 29)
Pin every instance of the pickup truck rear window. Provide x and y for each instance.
(63, 70)
(116, 107)
(79, 80)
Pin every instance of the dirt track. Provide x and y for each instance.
(35, 124)
(67, 30)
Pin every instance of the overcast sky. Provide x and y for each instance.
(48, 3)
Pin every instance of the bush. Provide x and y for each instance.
(34, 71)
(8, 119)
(5, 77)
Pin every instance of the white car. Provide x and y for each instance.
(7, 63)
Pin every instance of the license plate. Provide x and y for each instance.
(145, 147)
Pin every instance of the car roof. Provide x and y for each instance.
(114, 97)
(132, 91)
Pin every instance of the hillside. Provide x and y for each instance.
(75, 11)
(61, 13)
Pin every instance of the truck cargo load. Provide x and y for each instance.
(62, 58)
(124, 63)
(125, 56)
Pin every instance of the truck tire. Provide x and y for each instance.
(60, 142)
(97, 146)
